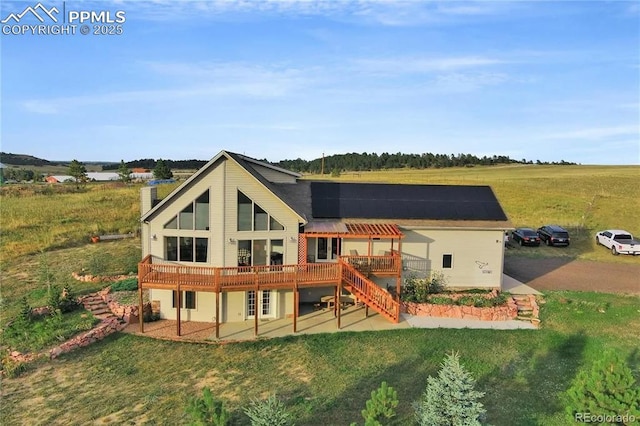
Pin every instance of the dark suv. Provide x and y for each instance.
(554, 235)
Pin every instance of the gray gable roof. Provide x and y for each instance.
(322, 200)
(333, 200)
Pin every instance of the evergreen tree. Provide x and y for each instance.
(124, 172)
(608, 388)
(450, 398)
(381, 406)
(162, 171)
(78, 171)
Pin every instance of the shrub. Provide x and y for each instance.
(418, 289)
(129, 284)
(441, 300)
(608, 389)
(381, 406)
(63, 301)
(207, 410)
(270, 412)
(450, 398)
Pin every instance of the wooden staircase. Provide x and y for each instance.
(369, 292)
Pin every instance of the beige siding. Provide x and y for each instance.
(205, 310)
(477, 256)
(236, 179)
(223, 180)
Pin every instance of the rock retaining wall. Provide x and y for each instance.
(497, 313)
(88, 278)
(126, 312)
(106, 327)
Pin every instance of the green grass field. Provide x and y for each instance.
(323, 379)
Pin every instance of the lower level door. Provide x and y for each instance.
(264, 301)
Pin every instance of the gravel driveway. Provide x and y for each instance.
(564, 273)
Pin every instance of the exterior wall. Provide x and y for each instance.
(205, 310)
(477, 255)
(223, 181)
(238, 179)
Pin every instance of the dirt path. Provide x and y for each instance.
(558, 273)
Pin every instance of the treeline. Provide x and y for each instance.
(149, 163)
(373, 161)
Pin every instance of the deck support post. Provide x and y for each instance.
(337, 302)
(256, 307)
(217, 313)
(140, 307)
(178, 305)
(296, 307)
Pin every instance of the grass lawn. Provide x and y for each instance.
(326, 379)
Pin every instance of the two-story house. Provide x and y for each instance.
(242, 239)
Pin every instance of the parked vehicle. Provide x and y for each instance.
(554, 235)
(525, 237)
(618, 241)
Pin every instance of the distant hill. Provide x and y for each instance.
(329, 164)
(24, 160)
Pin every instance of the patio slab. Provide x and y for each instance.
(352, 318)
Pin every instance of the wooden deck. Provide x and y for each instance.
(243, 278)
(349, 272)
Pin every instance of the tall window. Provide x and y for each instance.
(260, 252)
(194, 216)
(252, 217)
(447, 261)
(186, 249)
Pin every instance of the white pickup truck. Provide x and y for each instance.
(618, 241)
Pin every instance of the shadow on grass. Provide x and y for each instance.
(529, 387)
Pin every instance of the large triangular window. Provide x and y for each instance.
(194, 216)
(252, 217)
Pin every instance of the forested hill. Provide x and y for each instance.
(23, 160)
(149, 163)
(365, 161)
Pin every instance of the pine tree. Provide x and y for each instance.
(207, 410)
(124, 172)
(78, 171)
(450, 398)
(381, 406)
(608, 388)
(162, 171)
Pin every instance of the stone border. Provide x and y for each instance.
(103, 329)
(88, 278)
(495, 313)
(126, 312)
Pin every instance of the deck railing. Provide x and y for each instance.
(374, 264)
(208, 278)
(371, 294)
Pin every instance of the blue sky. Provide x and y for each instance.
(281, 80)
